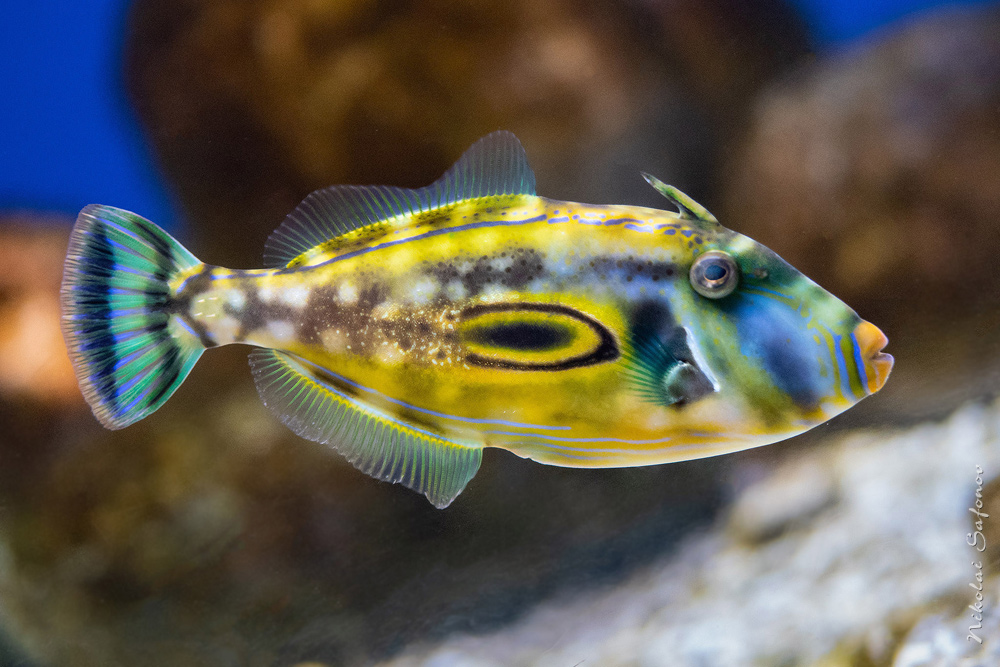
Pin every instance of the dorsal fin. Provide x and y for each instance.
(688, 208)
(494, 165)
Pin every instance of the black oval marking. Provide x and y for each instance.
(606, 350)
(524, 336)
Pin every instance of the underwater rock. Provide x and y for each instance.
(945, 640)
(252, 105)
(876, 170)
(33, 362)
(876, 573)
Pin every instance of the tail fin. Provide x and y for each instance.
(129, 352)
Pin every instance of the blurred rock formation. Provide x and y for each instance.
(33, 361)
(250, 105)
(877, 171)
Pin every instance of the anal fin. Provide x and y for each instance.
(374, 442)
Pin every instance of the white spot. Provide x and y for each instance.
(266, 294)
(423, 290)
(224, 329)
(296, 296)
(455, 290)
(501, 263)
(656, 420)
(389, 353)
(493, 292)
(348, 294)
(236, 299)
(281, 330)
(333, 340)
(384, 310)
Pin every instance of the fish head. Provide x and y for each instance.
(754, 349)
(781, 353)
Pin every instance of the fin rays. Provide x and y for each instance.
(688, 208)
(494, 165)
(313, 408)
(127, 354)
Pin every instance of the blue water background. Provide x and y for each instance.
(69, 138)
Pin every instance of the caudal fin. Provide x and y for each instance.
(130, 353)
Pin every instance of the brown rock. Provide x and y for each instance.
(877, 171)
(251, 105)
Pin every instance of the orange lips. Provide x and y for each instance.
(877, 364)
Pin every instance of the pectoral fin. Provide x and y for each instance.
(660, 359)
(684, 383)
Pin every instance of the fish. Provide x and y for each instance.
(408, 329)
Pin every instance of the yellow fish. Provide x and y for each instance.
(409, 329)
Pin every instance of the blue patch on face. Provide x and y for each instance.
(774, 337)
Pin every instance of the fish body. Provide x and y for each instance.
(411, 328)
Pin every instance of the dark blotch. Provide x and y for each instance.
(321, 311)
(606, 350)
(523, 336)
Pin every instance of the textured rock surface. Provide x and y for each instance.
(852, 554)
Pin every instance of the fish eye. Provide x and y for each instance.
(714, 275)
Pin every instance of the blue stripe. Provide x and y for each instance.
(388, 418)
(636, 228)
(124, 248)
(841, 363)
(588, 453)
(862, 371)
(180, 321)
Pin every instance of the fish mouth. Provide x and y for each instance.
(875, 363)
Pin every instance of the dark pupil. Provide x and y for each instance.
(715, 272)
